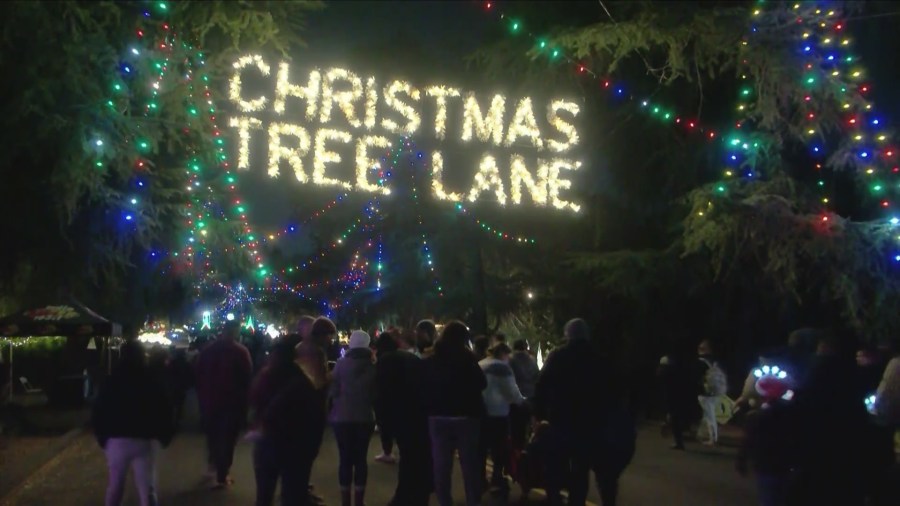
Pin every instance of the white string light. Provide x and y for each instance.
(294, 156)
(235, 88)
(564, 127)
(487, 127)
(519, 175)
(555, 183)
(440, 94)
(243, 125)
(413, 120)
(437, 184)
(364, 164)
(488, 177)
(284, 89)
(524, 124)
(346, 99)
(321, 157)
(371, 103)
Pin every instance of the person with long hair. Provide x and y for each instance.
(453, 385)
(132, 419)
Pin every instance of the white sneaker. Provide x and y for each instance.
(386, 459)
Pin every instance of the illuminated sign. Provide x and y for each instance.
(335, 107)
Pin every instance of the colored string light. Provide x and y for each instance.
(616, 89)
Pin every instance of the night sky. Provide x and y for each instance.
(447, 31)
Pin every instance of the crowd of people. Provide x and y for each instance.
(818, 427)
(810, 439)
(436, 395)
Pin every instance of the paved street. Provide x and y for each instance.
(77, 477)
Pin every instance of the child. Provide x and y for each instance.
(768, 440)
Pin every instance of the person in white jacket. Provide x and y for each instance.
(500, 393)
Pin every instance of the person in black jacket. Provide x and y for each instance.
(284, 447)
(589, 425)
(453, 386)
(132, 418)
(398, 375)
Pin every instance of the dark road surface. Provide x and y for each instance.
(657, 476)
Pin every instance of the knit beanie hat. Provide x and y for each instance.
(359, 339)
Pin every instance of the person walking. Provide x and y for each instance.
(680, 384)
(398, 378)
(769, 441)
(715, 385)
(426, 333)
(526, 372)
(132, 419)
(453, 385)
(352, 394)
(224, 371)
(285, 408)
(386, 342)
(585, 433)
(501, 392)
(314, 363)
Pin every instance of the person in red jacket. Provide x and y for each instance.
(224, 371)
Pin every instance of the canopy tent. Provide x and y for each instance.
(70, 319)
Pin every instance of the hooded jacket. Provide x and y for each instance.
(133, 404)
(501, 388)
(352, 390)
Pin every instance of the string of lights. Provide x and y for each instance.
(618, 89)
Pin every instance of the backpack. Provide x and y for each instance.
(715, 382)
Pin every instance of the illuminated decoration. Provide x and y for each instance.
(413, 120)
(346, 100)
(540, 357)
(244, 124)
(364, 164)
(154, 338)
(234, 90)
(272, 332)
(619, 91)
(358, 98)
(230, 317)
(294, 156)
(487, 178)
(207, 323)
(285, 89)
(440, 94)
(437, 185)
(488, 127)
(523, 124)
(519, 175)
(555, 183)
(249, 324)
(871, 403)
(565, 128)
(322, 157)
(371, 103)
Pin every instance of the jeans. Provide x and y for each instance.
(222, 430)
(709, 405)
(353, 447)
(414, 480)
(139, 455)
(772, 489)
(495, 441)
(461, 434)
(271, 460)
